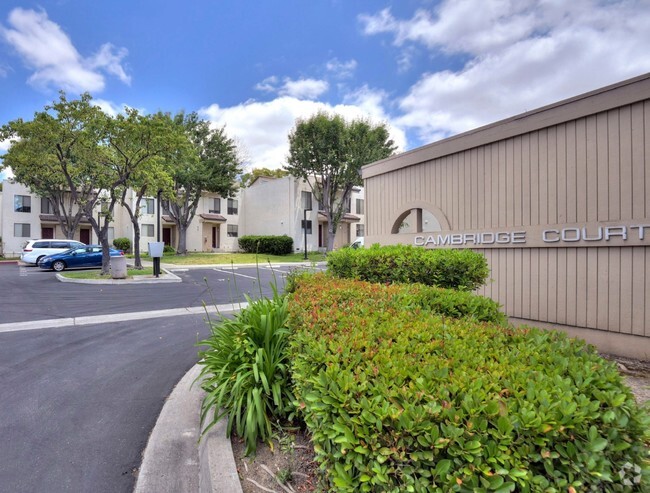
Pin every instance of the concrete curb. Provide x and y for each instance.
(174, 461)
(166, 277)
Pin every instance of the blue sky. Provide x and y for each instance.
(429, 69)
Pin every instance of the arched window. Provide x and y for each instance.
(418, 219)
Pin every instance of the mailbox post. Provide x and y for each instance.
(156, 252)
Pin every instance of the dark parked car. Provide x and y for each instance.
(85, 256)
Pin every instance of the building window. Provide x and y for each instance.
(46, 206)
(22, 203)
(348, 205)
(306, 200)
(147, 229)
(233, 231)
(307, 225)
(216, 206)
(360, 206)
(147, 206)
(22, 230)
(232, 207)
(361, 230)
(111, 235)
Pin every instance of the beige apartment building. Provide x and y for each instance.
(557, 199)
(270, 206)
(24, 216)
(276, 206)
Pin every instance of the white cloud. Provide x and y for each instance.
(341, 69)
(304, 88)
(4, 145)
(299, 88)
(46, 49)
(110, 108)
(262, 128)
(522, 54)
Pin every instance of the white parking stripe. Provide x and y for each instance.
(119, 317)
(234, 273)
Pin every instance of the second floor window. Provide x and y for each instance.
(348, 206)
(215, 206)
(233, 231)
(232, 207)
(306, 200)
(147, 206)
(306, 225)
(22, 203)
(147, 230)
(46, 206)
(359, 206)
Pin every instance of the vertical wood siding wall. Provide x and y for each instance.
(592, 169)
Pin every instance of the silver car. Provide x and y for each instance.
(35, 250)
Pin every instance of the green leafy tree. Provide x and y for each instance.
(55, 155)
(328, 153)
(255, 173)
(141, 148)
(212, 167)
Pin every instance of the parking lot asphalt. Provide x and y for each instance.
(29, 293)
(78, 403)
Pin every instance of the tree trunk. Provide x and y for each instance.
(136, 244)
(331, 234)
(182, 240)
(106, 258)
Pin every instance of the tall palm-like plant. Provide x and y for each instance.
(245, 372)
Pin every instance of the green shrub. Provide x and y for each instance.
(398, 398)
(445, 268)
(169, 249)
(271, 245)
(122, 244)
(245, 373)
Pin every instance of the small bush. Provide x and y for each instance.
(270, 245)
(245, 373)
(169, 249)
(445, 268)
(398, 398)
(122, 244)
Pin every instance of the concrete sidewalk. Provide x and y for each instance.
(174, 460)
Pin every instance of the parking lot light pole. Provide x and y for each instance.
(156, 260)
(306, 206)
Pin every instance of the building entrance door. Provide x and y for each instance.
(84, 236)
(167, 236)
(321, 243)
(47, 233)
(215, 236)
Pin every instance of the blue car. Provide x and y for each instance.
(85, 256)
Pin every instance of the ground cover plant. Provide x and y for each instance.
(399, 398)
(201, 258)
(445, 268)
(96, 274)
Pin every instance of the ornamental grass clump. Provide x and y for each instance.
(399, 398)
(245, 371)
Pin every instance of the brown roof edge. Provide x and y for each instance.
(213, 217)
(613, 96)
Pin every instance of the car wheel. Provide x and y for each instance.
(58, 265)
(39, 259)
